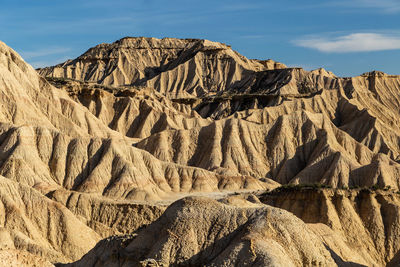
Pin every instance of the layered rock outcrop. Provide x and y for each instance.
(100, 146)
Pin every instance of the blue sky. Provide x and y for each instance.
(347, 37)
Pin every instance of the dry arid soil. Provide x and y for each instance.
(182, 152)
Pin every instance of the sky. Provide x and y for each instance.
(347, 37)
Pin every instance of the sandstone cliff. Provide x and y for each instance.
(101, 147)
(177, 67)
(199, 231)
(366, 220)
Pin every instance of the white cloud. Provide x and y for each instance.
(356, 42)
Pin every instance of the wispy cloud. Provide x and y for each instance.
(44, 52)
(355, 42)
(387, 6)
(47, 63)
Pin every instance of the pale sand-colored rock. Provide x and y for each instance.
(28, 99)
(18, 258)
(366, 221)
(364, 106)
(234, 152)
(204, 232)
(32, 222)
(136, 113)
(343, 228)
(300, 147)
(84, 161)
(176, 67)
(112, 167)
(355, 105)
(50, 141)
(108, 217)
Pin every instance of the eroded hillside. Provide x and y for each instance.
(337, 228)
(176, 67)
(100, 146)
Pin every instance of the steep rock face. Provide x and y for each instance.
(369, 115)
(176, 67)
(298, 148)
(32, 222)
(180, 137)
(13, 257)
(343, 228)
(50, 141)
(108, 217)
(28, 99)
(204, 232)
(379, 95)
(48, 160)
(316, 92)
(187, 117)
(271, 88)
(132, 112)
(367, 221)
(255, 84)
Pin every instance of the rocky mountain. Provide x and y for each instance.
(366, 220)
(337, 228)
(198, 231)
(149, 152)
(175, 67)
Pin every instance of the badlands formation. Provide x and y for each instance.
(182, 152)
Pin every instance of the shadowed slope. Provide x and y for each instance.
(366, 220)
(47, 160)
(210, 120)
(202, 232)
(32, 222)
(298, 148)
(27, 98)
(51, 142)
(176, 67)
(132, 112)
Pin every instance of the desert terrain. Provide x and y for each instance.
(183, 152)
